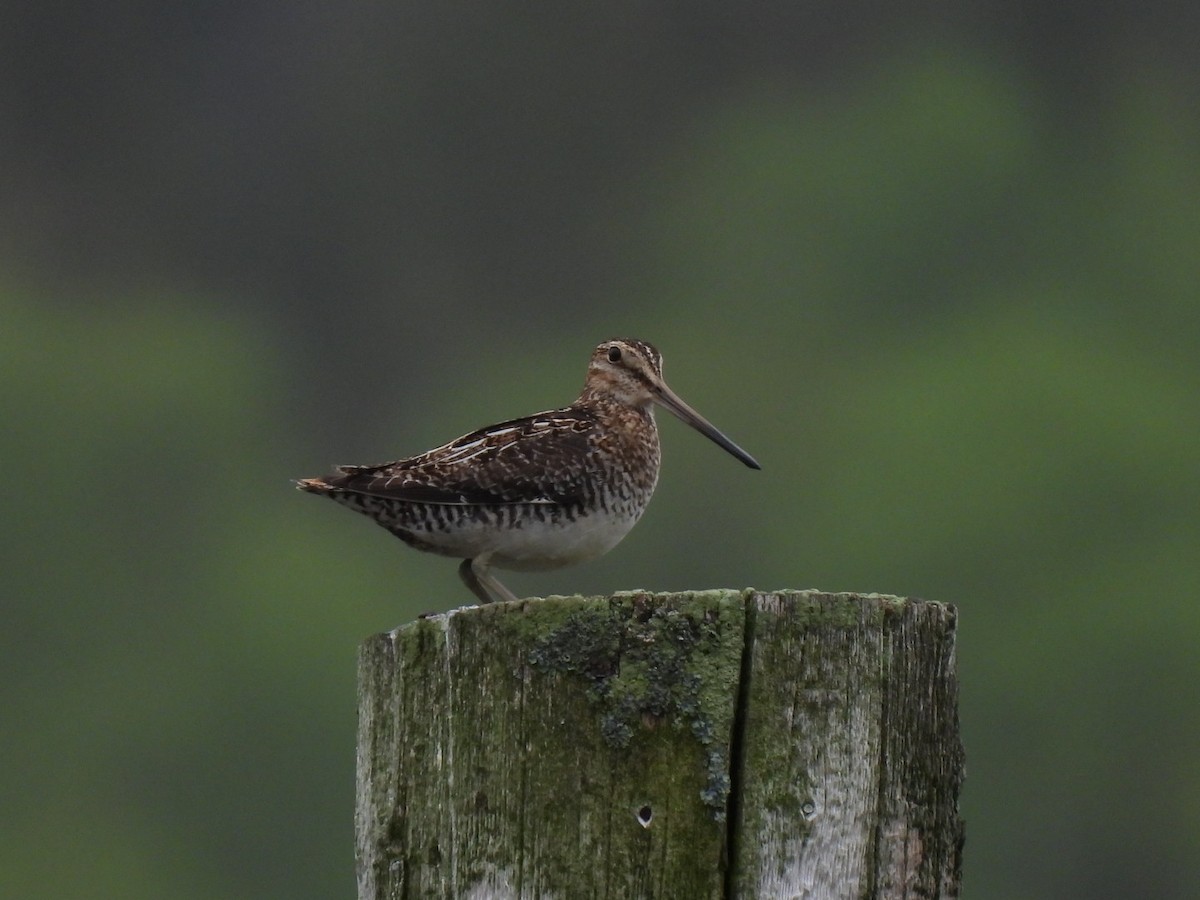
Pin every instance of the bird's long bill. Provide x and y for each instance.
(669, 400)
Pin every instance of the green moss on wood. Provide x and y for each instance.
(509, 750)
(650, 661)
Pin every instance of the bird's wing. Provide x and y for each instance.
(537, 459)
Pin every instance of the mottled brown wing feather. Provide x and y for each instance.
(536, 459)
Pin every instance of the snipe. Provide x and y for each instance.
(545, 491)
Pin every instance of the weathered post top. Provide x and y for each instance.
(692, 745)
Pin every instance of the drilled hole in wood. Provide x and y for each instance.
(644, 815)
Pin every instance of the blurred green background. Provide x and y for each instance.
(935, 267)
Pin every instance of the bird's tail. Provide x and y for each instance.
(314, 486)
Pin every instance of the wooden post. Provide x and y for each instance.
(698, 745)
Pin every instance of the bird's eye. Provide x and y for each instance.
(614, 354)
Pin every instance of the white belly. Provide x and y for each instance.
(530, 544)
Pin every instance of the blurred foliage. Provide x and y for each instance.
(942, 292)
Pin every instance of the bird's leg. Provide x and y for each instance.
(476, 574)
(467, 574)
(492, 583)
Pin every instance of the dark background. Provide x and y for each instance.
(935, 265)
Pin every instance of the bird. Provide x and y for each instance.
(536, 493)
